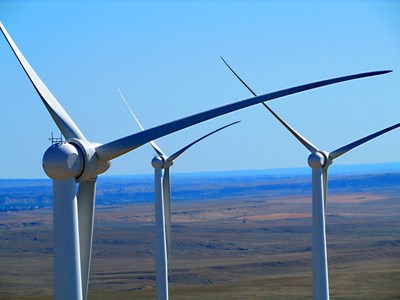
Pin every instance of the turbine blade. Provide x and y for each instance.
(86, 201)
(161, 246)
(130, 110)
(119, 147)
(297, 135)
(237, 76)
(319, 252)
(57, 112)
(167, 212)
(178, 153)
(325, 187)
(348, 147)
(67, 265)
(152, 143)
(302, 140)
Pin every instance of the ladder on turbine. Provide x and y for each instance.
(56, 140)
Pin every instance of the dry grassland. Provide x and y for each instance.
(239, 248)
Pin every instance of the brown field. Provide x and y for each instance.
(238, 248)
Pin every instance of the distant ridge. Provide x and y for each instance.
(30, 194)
(389, 167)
(301, 171)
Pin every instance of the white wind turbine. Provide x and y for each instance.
(162, 188)
(79, 161)
(319, 161)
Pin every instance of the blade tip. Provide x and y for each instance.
(383, 72)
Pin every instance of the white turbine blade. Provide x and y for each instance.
(178, 153)
(67, 265)
(348, 147)
(60, 117)
(302, 140)
(325, 187)
(167, 211)
(86, 202)
(161, 245)
(319, 253)
(118, 147)
(297, 135)
(130, 110)
(152, 143)
(238, 77)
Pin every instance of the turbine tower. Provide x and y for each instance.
(319, 161)
(162, 188)
(79, 161)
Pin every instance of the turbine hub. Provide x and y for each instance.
(62, 161)
(92, 165)
(316, 160)
(157, 162)
(167, 163)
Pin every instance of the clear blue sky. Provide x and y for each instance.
(164, 56)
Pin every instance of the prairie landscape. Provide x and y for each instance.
(233, 237)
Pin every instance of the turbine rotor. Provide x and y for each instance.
(93, 165)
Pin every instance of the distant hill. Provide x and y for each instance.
(27, 194)
(333, 170)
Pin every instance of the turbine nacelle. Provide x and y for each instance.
(319, 159)
(63, 161)
(161, 162)
(74, 158)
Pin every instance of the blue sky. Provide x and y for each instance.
(164, 56)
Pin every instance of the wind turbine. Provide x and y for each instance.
(319, 161)
(162, 188)
(79, 161)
